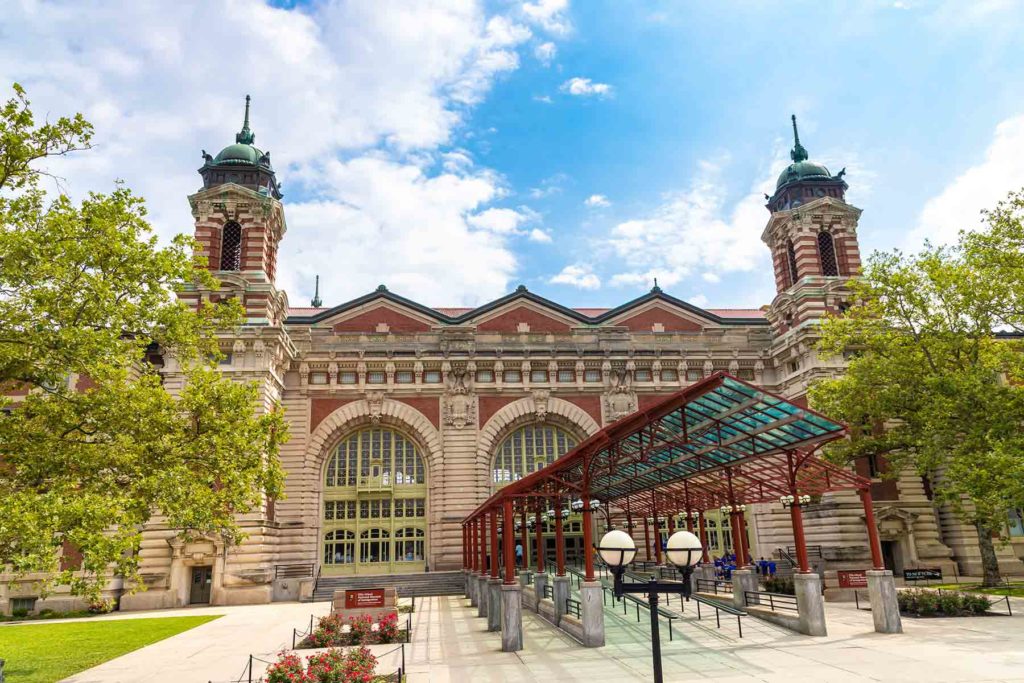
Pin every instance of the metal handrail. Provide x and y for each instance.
(775, 600)
(713, 584)
(574, 607)
(719, 607)
(549, 591)
(293, 571)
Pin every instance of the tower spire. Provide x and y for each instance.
(798, 153)
(316, 302)
(246, 136)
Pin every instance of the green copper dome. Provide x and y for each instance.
(801, 168)
(238, 153)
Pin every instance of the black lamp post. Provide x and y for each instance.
(683, 549)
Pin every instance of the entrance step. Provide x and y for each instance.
(407, 585)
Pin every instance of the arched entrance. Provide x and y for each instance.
(526, 450)
(374, 504)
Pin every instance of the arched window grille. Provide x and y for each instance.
(794, 274)
(827, 253)
(231, 247)
(339, 547)
(527, 450)
(376, 455)
(409, 545)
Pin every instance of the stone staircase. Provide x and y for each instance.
(407, 585)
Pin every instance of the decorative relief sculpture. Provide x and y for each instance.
(540, 403)
(620, 399)
(459, 402)
(376, 401)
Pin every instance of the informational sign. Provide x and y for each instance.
(362, 599)
(923, 574)
(853, 578)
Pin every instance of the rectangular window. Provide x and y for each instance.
(513, 376)
(538, 375)
(1016, 523)
(566, 375)
(375, 377)
(318, 378)
(669, 375)
(642, 375)
(693, 374)
(432, 377)
(225, 358)
(27, 604)
(592, 376)
(485, 376)
(746, 373)
(347, 377)
(404, 377)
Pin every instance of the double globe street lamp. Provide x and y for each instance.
(683, 549)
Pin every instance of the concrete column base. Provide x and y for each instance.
(560, 592)
(511, 617)
(481, 595)
(494, 604)
(885, 610)
(524, 577)
(540, 580)
(742, 580)
(810, 604)
(592, 609)
(471, 588)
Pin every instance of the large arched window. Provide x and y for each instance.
(794, 274)
(409, 545)
(527, 450)
(377, 457)
(231, 246)
(827, 254)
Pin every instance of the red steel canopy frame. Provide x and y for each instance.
(721, 441)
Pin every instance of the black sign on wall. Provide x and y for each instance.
(923, 574)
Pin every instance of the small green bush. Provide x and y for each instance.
(778, 584)
(926, 603)
(19, 613)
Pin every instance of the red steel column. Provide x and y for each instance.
(588, 539)
(507, 535)
(689, 522)
(483, 543)
(797, 517)
(671, 524)
(647, 539)
(657, 528)
(494, 544)
(473, 557)
(703, 535)
(559, 541)
(539, 539)
(525, 540)
(737, 544)
(745, 550)
(869, 518)
(465, 549)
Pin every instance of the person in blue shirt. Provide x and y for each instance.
(519, 554)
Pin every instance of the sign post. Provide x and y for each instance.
(923, 574)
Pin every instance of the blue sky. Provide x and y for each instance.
(457, 150)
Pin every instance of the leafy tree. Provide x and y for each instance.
(935, 370)
(93, 446)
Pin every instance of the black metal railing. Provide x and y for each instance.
(813, 551)
(719, 608)
(293, 571)
(574, 607)
(549, 591)
(713, 586)
(775, 601)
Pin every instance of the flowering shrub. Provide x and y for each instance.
(362, 628)
(101, 606)
(328, 632)
(327, 667)
(360, 665)
(287, 669)
(388, 629)
(924, 603)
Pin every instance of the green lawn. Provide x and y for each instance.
(1016, 589)
(45, 653)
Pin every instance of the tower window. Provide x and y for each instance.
(827, 254)
(794, 275)
(231, 247)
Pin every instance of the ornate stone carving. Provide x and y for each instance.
(459, 402)
(620, 399)
(375, 399)
(540, 403)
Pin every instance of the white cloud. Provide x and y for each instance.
(498, 221)
(958, 206)
(578, 275)
(542, 98)
(584, 87)
(545, 53)
(549, 186)
(538, 235)
(698, 300)
(597, 201)
(695, 230)
(551, 15)
(711, 277)
(338, 87)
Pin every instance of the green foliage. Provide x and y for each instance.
(925, 603)
(778, 584)
(46, 653)
(930, 384)
(95, 443)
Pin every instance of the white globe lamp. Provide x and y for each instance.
(683, 549)
(617, 548)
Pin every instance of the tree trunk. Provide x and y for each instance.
(988, 555)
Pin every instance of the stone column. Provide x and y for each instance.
(494, 606)
(810, 604)
(592, 609)
(511, 618)
(481, 595)
(742, 580)
(540, 579)
(560, 592)
(884, 608)
(471, 588)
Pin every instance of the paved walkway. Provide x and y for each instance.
(451, 644)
